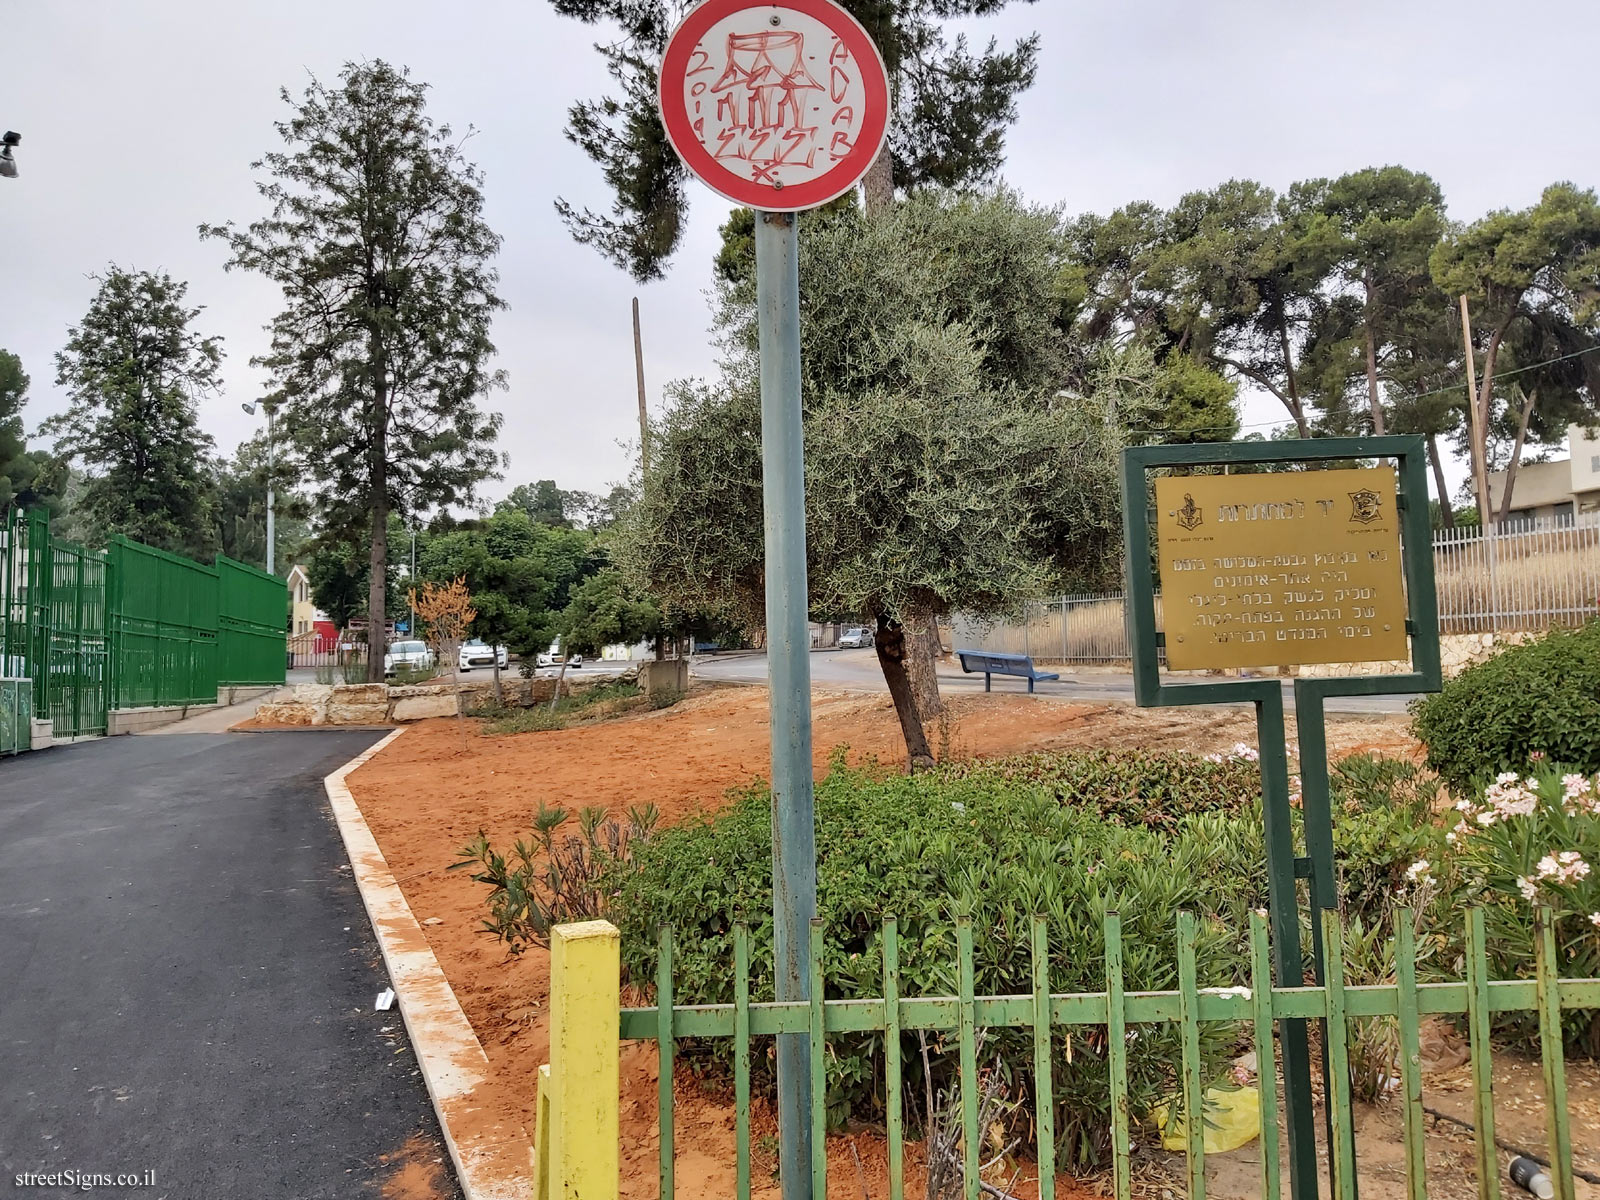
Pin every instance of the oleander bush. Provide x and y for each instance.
(982, 844)
(1540, 697)
(1527, 840)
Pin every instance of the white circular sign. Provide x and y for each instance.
(779, 106)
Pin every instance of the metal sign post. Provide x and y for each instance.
(1277, 569)
(781, 107)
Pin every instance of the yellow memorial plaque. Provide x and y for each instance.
(1280, 568)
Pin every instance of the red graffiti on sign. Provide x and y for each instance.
(774, 95)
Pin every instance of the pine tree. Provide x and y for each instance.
(381, 353)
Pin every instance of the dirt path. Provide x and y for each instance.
(435, 788)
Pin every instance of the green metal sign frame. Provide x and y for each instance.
(1284, 868)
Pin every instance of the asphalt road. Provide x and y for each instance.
(187, 975)
(857, 670)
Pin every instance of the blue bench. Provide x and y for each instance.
(991, 664)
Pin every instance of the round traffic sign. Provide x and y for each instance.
(781, 106)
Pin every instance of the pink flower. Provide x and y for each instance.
(1594, 919)
(1418, 871)
(1565, 867)
(1527, 887)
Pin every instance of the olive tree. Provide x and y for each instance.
(943, 472)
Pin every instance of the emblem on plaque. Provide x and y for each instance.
(1189, 516)
(1366, 506)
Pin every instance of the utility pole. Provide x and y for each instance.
(249, 406)
(1477, 419)
(1479, 415)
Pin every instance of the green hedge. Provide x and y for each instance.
(1538, 698)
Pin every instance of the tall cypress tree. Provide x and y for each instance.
(134, 371)
(381, 354)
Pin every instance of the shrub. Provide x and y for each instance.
(552, 881)
(606, 699)
(1543, 696)
(934, 847)
(501, 722)
(1530, 840)
(1383, 822)
(1155, 789)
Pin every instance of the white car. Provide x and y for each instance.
(413, 656)
(552, 658)
(475, 652)
(855, 638)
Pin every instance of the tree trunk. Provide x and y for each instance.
(1478, 432)
(890, 644)
(922, 654)
(1529, 399)
(561, 677)
(378, 498)
(1445, 510)
(1372, 369)
(377, 590)
(499, 698)
(1296, 409)
(877, 185)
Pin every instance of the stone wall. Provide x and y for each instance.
(1457, 652)
(383, 704)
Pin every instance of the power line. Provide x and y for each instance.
(1416, 396)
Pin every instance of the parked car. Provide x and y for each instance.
(475, 652)
(552, 657)
(413, 656)
(855, 638)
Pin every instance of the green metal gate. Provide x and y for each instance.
(53, 624)
(78, 655)
(252, 612)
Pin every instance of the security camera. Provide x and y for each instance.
(8, 164)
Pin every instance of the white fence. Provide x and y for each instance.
(1523, 579)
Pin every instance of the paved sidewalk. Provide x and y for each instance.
(187, 976)
(214, 720)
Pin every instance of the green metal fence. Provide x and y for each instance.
(1049, 1015)
(129, 627)
(163, 628)
(251, 625)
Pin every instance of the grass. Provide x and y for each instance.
(601, 703)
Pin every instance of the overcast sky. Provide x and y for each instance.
(140, 118)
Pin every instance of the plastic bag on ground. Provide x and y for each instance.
(1232, 1119)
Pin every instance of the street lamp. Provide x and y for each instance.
(8, 164)
(249, 406)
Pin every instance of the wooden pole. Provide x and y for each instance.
(644, 439)
(638, 368)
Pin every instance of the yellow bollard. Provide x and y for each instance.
(580, 1130)
(541, 1137)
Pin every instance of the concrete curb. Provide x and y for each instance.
(492, 1153)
